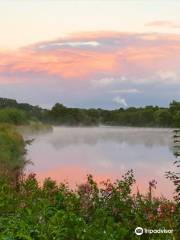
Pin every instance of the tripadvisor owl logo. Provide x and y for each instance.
(139, 231)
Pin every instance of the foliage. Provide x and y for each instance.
(13, 116)
(175, 176)
(12, 152)
(105, 212)
(148, 116)
(30, 112)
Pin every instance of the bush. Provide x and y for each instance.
(13, 116)
(12, 152)
(105, 212)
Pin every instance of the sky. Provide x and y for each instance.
(103, 54)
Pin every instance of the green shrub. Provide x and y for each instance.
(13, 116)
(12, 152)
(105, 212)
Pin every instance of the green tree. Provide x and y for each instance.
(163, 117)
(13, 116)
(176, 119)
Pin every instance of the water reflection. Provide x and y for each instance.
(149, 137)
(106, 152)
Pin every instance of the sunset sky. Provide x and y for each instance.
(104, 53)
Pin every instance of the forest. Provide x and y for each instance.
(149, 116)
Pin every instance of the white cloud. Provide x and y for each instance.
(120, 101)
(169, 76)
(71, 44)
(104, 82)
(76, 44)
(130, 90)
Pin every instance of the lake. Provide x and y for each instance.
(70, 153)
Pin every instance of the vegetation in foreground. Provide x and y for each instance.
(108, 211)
(12, 153)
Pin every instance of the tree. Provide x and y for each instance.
(174, 106)
(163, 117)
(176, 119)
(13, 116)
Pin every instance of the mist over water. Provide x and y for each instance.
(70, 153)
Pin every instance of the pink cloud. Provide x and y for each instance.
(167, 24)
(113, 54)
(64, 63)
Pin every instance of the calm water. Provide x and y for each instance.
(70, 153)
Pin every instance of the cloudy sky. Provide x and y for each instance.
(106, 53)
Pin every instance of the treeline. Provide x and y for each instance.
(19, 113)
(149, 116)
